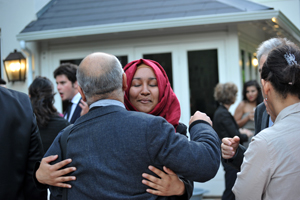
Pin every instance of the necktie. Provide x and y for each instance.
(69, 110)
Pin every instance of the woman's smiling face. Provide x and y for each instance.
(251, 93)
(144, 92)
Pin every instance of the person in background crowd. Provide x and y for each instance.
(21, 147)
(49, 121)
(232, 151)
(150, 92)
(244, 113)
(225, 125)
(67, 86)
(270, 169)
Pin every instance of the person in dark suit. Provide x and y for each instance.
(21, 147)
(232, 151)
(111, 147)
(49, 121)
(226, 126)
(65, 76)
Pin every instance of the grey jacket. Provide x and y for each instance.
(112, 147)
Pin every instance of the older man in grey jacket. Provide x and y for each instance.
(111, 147)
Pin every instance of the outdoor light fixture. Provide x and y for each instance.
(15, 66)
(255, 62)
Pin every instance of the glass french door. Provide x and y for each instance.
(192, 71)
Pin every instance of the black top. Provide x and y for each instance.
(48, 134)
(226, 126)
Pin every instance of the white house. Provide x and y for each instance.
(198, 42)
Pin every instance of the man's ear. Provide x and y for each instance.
(75, 85)
(81, 93)
(124, 82)
(265, 86)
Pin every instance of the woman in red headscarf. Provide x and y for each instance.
(150, 91)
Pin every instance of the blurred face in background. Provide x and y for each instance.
(67, 90)
(144, 92)
(251, 93)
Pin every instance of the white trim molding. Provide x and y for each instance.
(163, 23)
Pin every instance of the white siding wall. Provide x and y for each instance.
(14, 16)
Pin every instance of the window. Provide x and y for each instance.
(165, 60)
(123, 60)
(203, 77)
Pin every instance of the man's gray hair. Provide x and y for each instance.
(265, 47)
(109, 80)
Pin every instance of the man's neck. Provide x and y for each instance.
(112, 96)
(107, 102)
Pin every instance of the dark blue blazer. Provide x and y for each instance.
(76, 113)
(112, 147)
(21, 147)
(261, 118)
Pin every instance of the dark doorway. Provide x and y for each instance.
(165, 60)
(203, 77)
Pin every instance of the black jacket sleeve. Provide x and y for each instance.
(237, 160)
(231, 128)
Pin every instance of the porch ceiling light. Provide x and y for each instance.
(15, 66)
(255, 62)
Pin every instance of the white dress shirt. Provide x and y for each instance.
(75, 100)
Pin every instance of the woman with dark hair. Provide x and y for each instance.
(244, 113)
(49, 121)
(225, 125)
(150, 91)
(270, 169)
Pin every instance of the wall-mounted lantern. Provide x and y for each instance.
(15, 66)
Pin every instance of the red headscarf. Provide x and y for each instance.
(168, 105)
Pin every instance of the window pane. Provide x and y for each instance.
(203, 77)
(74, 61)
(243, 65)
(123, 60)
(165, 60)
(250, 65)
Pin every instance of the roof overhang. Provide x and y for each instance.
(281, 20)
